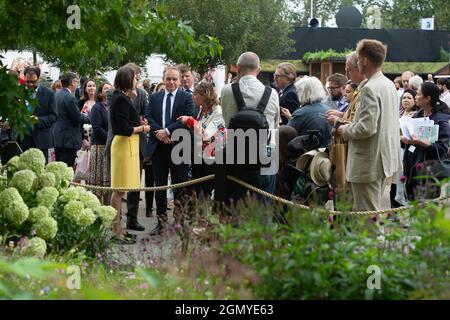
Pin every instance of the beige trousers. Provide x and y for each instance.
(367, 196)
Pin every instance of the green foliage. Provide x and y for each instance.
(321, 55)
(240, 25)
(12, 103)
(312, 261)
(29, 278)
(112, 32)
(70, 219)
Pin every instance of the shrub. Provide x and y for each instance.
(33, 159)
(46, 228)
(34, 247)
(38, 213)
(23, 180)
(309, 260)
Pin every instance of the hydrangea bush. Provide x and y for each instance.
(38, 204)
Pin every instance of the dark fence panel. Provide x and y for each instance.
(403, 45)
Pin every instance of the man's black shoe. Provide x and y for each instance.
(148, 213)
(135, 225)
(159, 229)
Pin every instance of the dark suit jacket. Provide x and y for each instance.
(289, 100)
(139, 105)
(182, 106)
(67, 130)
(46, 113)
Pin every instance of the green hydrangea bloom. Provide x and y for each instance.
(89, 200)
(8, 196)
(46, 179)
(86, 218)
(68, 195)
(35, 247)
(107, 214)
(16, 212)
(68, 174)
(32, 159)
(46, 228)
(38, 213)
(47, 196)
(23, 180)
(58, 169)
(72, 211)
(81, 190)
(13, 164)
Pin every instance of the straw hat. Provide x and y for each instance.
(320, 169)
(302, 162)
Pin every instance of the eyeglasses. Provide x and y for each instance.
(31, 81)
(276, 75)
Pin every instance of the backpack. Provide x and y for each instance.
(251, 117)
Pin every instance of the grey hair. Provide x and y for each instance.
(353, 59)
(415, 82)
(310, 90)
(248, 61)
(408, 73)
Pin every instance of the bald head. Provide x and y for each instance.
(405, 79)
(248, 63)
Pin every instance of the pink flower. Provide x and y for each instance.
(143, 286)
(178, 226)
(403, 179)
(420, 166)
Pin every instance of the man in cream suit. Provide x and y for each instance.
(374, 136)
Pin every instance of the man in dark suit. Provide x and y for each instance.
(162, 113)
(284, 76)
(45, 113)
(67, 129)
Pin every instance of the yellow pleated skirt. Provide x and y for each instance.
(125, 162)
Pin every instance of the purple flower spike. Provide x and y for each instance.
(420, 166)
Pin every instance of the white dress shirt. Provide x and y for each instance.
(174, 93)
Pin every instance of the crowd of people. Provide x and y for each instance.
(128, 127)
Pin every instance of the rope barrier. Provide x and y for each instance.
(254, 189)
(357, 213)
(159, 188)
(257, 190)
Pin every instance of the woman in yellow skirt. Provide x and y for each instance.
(126, 127)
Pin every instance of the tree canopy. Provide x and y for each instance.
(261, 26)
(111, 33)
(396, 14)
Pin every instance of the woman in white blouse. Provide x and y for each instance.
(209, 131)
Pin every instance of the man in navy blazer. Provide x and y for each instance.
(162, 112)
(67, 131)
(40, 136)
